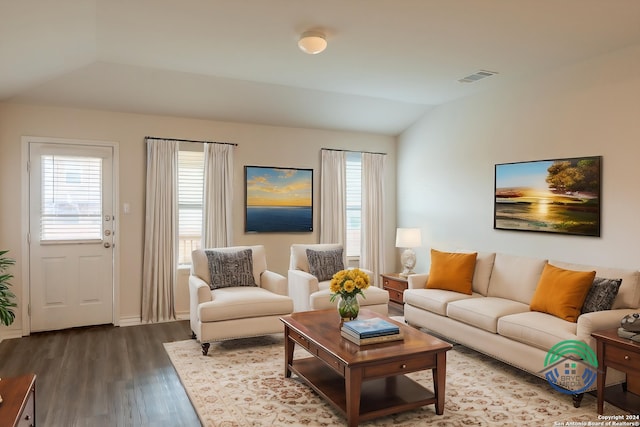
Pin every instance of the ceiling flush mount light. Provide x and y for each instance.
(312, 42)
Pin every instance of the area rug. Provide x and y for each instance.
(241, 383)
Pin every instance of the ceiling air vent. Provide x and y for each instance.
(481, 74)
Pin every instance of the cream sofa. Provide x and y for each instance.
(309, 293)
(496, 320)
(239, 311)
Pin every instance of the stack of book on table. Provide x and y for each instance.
(370, 331)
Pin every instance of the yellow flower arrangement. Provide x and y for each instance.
(348, 283)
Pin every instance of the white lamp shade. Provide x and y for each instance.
(408, 238)
(312, 42)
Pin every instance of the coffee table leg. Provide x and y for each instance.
(353, 385)
(439, 380)
(289, 346)
(602, 376)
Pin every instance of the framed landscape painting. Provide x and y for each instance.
(278, 199)
(557, 196)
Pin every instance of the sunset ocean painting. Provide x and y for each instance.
(278, 199)
(558, 196)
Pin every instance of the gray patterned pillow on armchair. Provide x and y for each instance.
(324, 264)
(230, 269)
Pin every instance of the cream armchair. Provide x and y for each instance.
(248, 300)
(310, 293)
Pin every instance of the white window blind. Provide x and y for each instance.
(190, 193)
(71, 198)
(354, 203)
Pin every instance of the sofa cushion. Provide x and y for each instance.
(601, 295)
(484, 312)
(452, 271)
(434, 300)
(629, 291)
(515, 277)
(482, 274)
(536, 329)
(324, 264)
(562, 292)
(243, 302)
(229, 269)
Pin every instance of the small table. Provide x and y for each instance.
(622, 354)
(364, 382)
(19, 401)
(396, 285)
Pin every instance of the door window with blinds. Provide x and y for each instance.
(190, 195)
(71, 198)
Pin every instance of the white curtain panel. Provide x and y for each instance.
(217, 218)
(373, 244)
(160, 231)
(333, 193)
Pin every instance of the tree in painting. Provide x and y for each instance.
(572, 176)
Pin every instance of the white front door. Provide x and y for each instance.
(71, 231)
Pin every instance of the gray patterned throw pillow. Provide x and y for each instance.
(230, 269)
(601, 294)
(324, 264)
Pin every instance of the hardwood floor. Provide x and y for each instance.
(396, 309)
(105, 375)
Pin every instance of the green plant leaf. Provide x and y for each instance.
(7, 316)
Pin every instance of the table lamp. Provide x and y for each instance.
(408, 238)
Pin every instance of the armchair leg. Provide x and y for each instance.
(577, 399)
(193, 335)
(205, 348)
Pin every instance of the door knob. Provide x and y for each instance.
(107, 244)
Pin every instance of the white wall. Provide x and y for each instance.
(257, 145)
(446, 161)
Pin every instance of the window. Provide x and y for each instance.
(190, 193)
(354, 203)
(71, 198)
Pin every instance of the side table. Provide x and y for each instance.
(19, 401)
(396, 285)
(622, 354)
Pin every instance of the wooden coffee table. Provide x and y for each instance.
(364, 382)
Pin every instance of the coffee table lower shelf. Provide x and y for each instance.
(378, 397)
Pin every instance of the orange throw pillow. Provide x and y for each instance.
(452, 271)
(562, 292)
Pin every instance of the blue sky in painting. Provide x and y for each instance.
(268, 186)
(527, 174)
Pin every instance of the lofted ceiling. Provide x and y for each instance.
(387, 63)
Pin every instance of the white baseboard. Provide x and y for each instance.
(182, 315)
(137, 320)
(130, 321)
(7, 334)
(10, 334)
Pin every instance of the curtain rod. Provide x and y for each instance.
(191, 140)
(353, 151)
